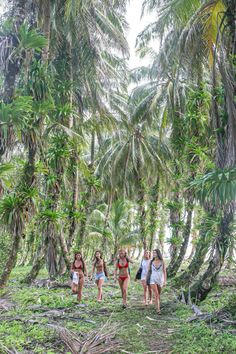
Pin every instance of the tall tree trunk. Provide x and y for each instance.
(17, 230)
(193, 244)
(38, 263)
(205, 239)
(153, 212)
(13, 65)
(174, 267)
(161, 233)
(106, 223)
(45, 13)
(51, 250)
(142, 214)
(75, 196)
(17, 223)
(175, 224)
(64, 249)
(201, 288)
(225, 157)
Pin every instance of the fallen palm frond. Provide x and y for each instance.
(7, 350)
(98, 342)
(5, 305)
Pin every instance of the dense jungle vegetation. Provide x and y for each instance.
(86, 163)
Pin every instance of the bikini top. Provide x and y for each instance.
(99, 264)
(79, 267)
(126, 265)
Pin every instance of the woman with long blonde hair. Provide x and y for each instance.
(122, 265)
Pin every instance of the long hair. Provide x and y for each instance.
(95, 259)
(122, 250)
(159, 255)
(148, 252)
(82, 260)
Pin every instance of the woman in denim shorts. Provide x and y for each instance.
(101, 272)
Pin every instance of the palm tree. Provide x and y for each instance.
(208, 28)
(120, 230)
(130, 158)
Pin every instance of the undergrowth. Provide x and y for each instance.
(25, 328)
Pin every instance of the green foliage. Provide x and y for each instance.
(15, 203)
(17, 112)
(202, 339)
(5, 244)
(217, 186)
(29, 39)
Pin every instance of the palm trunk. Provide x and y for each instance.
(38, 263)
(202, 247)
(142, 214)
(153, 213)
(73, 220)
(13, 65)
(174, 267)
(64, 249)
(17, 225)
(193, 244)
(139, 253)
(175, 224)
(225, 157)
(161, 234)
(106, 223)
(45, 12)
(201, 288)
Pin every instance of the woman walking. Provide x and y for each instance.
(157, 276)
(122, 265)
(79, 270)
(101, 272)
(144, 267)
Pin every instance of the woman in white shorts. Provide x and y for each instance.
(146, 288)
(157, 276)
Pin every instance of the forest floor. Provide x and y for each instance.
(48, 320)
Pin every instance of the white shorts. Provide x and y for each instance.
(143, 276)
(157, 279)
(75, 278)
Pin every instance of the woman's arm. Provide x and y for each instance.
(165, 273)
(92, 270)
(115, 271)
(85, 270)
(129, 259)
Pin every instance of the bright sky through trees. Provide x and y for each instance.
(136, 25)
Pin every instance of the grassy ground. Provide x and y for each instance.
(29, 325)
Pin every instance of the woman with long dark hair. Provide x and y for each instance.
(101, 272)
(157, 276)
(79, 271)
(122, 265)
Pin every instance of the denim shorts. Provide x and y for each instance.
(100, 276)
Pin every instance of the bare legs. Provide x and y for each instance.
(146, 291)
(124, 289)
(157, 293)
(80, 287)
(77, 288)
(99, 285)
